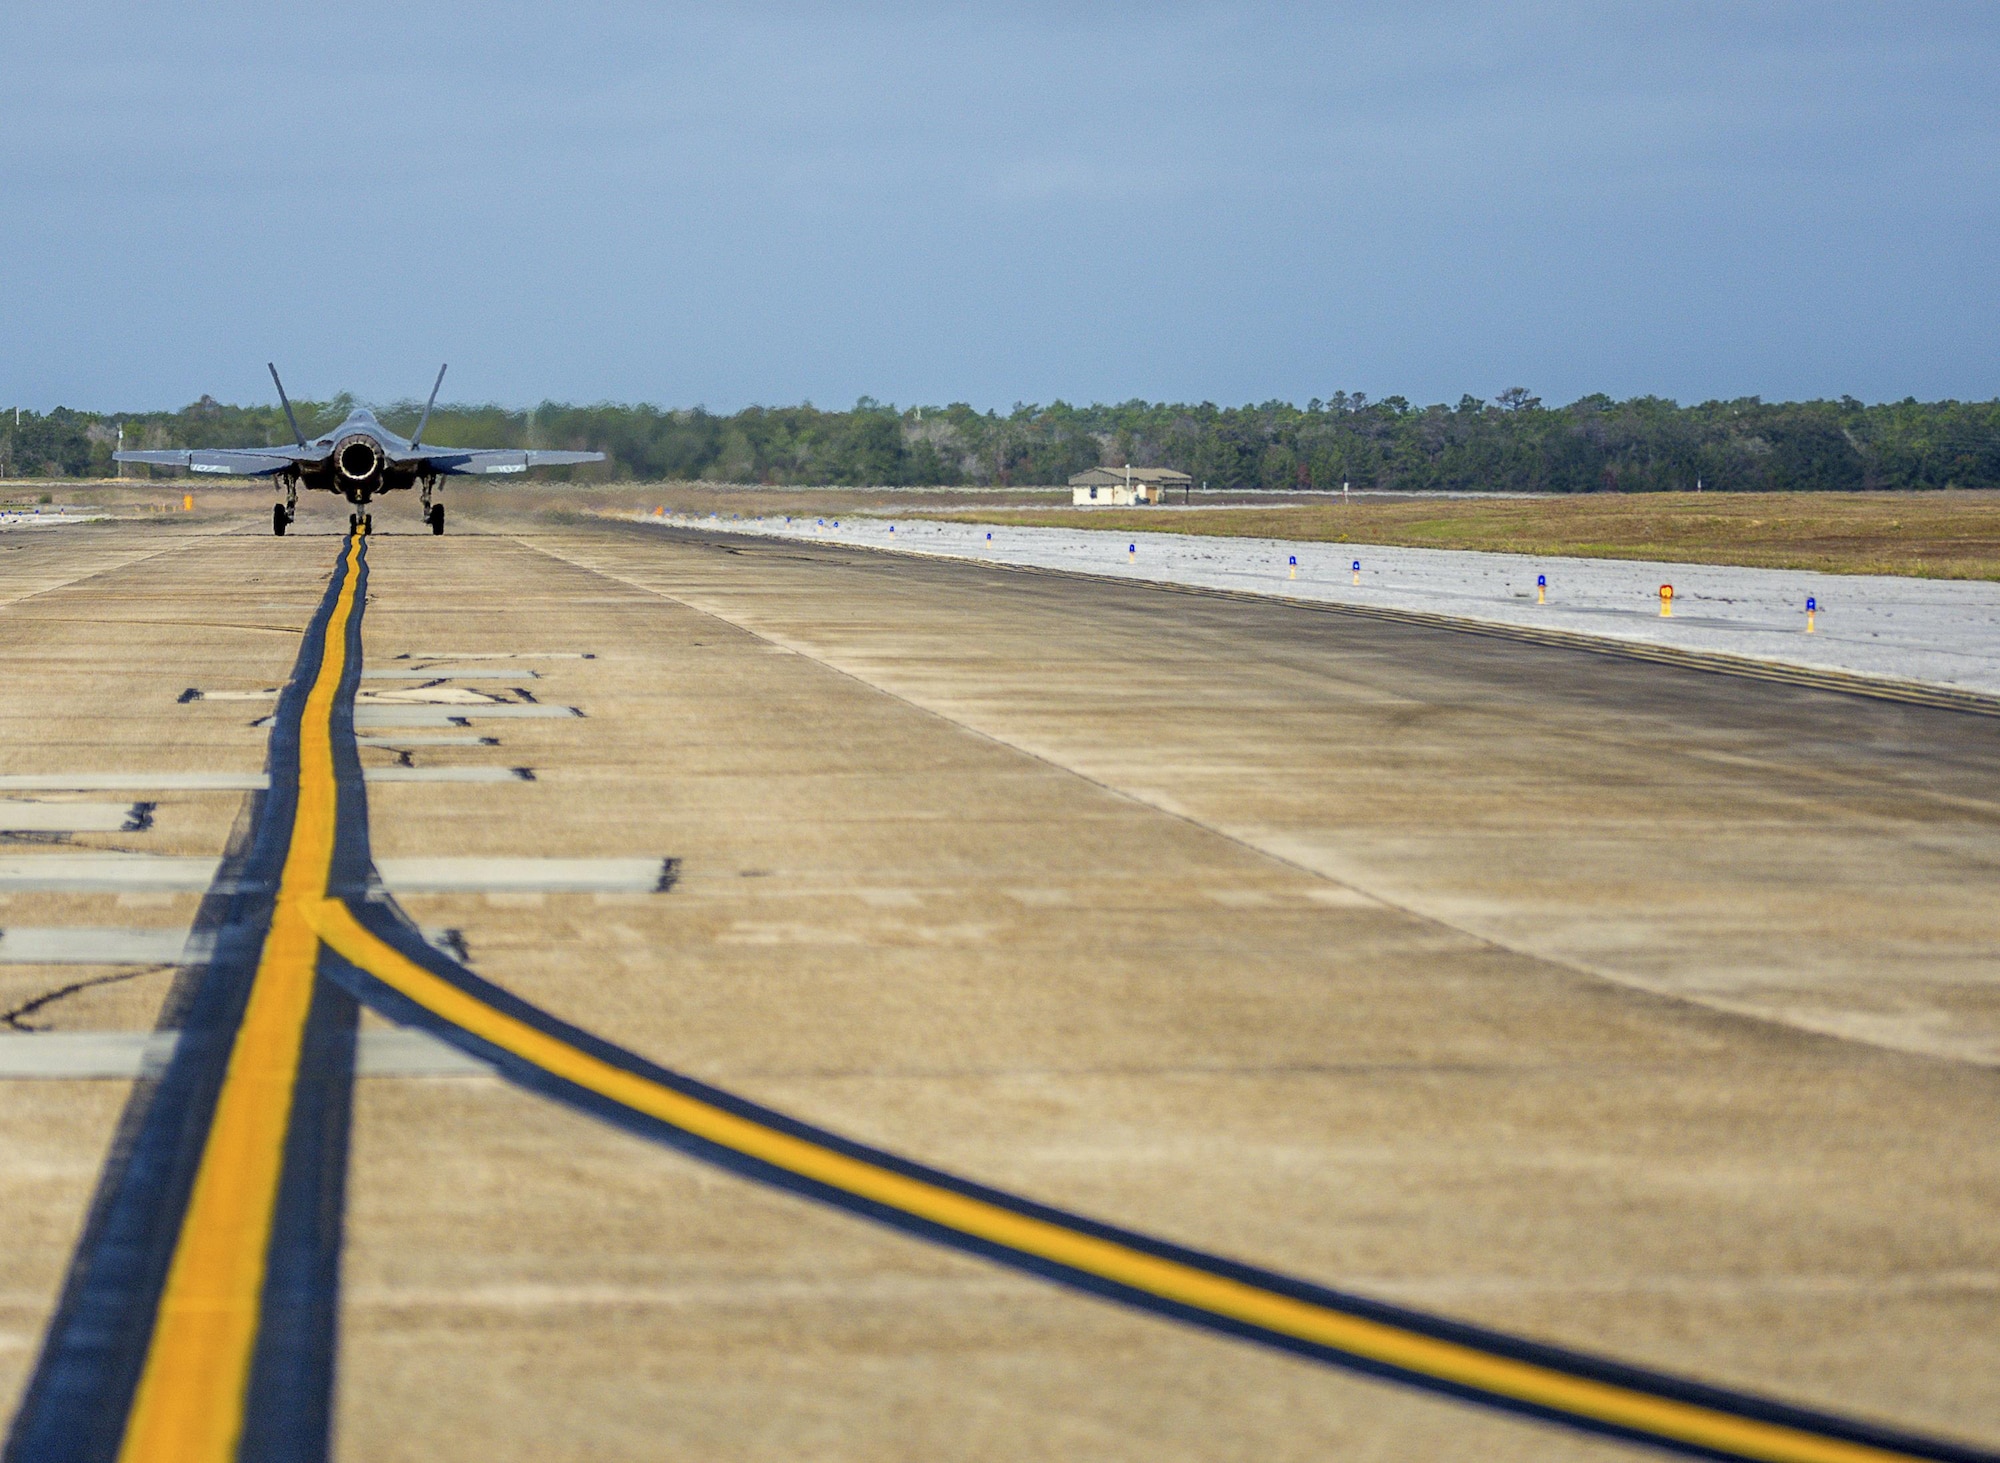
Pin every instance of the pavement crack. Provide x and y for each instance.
(16, 1019)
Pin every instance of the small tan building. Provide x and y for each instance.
(1120, 487)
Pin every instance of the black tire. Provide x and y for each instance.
(368, 523)
(437, 518)
(280, 519)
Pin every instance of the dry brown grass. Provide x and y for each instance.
(1952, 535)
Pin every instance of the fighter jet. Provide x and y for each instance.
(358, 459)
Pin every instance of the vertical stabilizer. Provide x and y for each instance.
(424, 420)
(285, 402)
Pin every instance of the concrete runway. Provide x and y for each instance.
(1641, 1011)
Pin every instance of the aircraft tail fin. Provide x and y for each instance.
(284, 401)
(424, 420)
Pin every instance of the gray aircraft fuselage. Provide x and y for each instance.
(359, 459)
(362, 462)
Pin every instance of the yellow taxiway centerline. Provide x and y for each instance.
(190, 1398)
(1187, 1285)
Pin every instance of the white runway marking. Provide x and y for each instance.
(451, 673)
(430, 696)
(24, 817)
(525, 875)
(94, 945)
(376, 717)
(85, 1054)
(406, 1053)
(447, 774)
(417, 744)
(105, 873)
(133, 782)
(449, 656)
(112, 1055)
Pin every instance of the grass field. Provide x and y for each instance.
(1953, 535)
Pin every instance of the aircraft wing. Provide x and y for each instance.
(229, 461)
(499, 460)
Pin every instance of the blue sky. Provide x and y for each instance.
(997, 203)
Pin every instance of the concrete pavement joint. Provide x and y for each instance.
(1661, 992)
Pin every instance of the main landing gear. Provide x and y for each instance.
(280, 519)
(436, 517)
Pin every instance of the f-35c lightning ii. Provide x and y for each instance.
(358, 459)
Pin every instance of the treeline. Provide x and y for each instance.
(1513, 443)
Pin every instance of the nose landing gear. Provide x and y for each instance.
(360, 523)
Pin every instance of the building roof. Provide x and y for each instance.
(1098, 477)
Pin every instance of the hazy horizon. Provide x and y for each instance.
(444, 404)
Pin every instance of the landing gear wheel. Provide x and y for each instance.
(437, 518)
(280, 519)
(353, 522)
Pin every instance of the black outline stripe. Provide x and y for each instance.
(385, 921)
(81, 1392)
(288, 1410)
